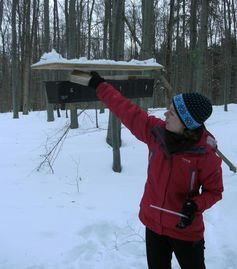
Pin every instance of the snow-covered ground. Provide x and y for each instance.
(84, 215)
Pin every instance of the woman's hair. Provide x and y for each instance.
(194, 135)
(185, 141)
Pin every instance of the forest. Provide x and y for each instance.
(195, 40)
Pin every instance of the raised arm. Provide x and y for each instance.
(132, 116)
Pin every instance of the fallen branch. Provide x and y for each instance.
(51, 156)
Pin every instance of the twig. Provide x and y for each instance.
(78, 178)
(52, 155)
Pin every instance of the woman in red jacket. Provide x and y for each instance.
(184, 176)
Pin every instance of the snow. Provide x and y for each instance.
(84, 215)
(54, 57)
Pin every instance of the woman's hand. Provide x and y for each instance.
(95, 80)
(189, 209)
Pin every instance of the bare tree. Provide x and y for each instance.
(66, 8)
(5, 80)
(27, 56)
(89, 16)
(201, 69)
(72, 29)
(193, 41)
(227, 53)
(72, 54)
(37, 91)
(107, 20)
(234, 57)
(56, 33)
(46, 46)
(80, 23)
(132, 21)
(14, 60)
(1, 13)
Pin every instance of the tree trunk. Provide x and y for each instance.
(72, 54)
(148, 29)
(116, 136)
(49, 107)
(66, 25)
(1, 14)
(117, 54)
(107, 19)
(46, 42)
(227, 53)
(169, 42)
(5, 76)
(193, 42)
(73, 116)
(201, 70)
(27, 58)
(234, 57)
(178, 52)
(118, 29)
(90, 12)
(14, 60)
(56, 34)
(148, 38)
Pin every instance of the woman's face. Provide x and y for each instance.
(173, 123)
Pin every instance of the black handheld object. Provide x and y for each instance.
(189, 209)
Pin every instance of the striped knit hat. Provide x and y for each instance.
(192, 108)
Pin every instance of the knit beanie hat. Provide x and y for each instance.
(192, 108)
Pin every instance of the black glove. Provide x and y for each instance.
(189, 209)
(95, 80)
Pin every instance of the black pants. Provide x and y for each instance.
(159, 248)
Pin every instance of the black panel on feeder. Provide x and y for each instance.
(61, 92)
(134, 88)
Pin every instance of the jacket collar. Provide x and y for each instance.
(206, 143)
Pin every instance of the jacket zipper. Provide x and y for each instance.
(151, 155)
(192, 180)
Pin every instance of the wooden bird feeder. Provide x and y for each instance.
(133, 79)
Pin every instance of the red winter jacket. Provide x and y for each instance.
(170, 178)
